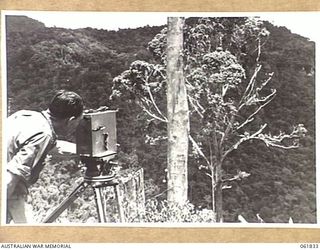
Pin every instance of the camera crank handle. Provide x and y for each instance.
(98, 128)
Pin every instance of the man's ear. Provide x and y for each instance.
(71, 118)
(68, 120)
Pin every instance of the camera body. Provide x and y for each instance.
(96, 137)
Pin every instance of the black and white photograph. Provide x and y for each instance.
(170, 119)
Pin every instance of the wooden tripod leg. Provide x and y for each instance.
(66, 203)
(100, 204)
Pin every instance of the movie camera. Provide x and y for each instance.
(96, 143)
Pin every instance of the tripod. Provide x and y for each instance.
(98, 176)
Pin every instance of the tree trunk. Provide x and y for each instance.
(178, 114)
(217, 193)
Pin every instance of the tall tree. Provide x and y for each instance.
(177, 114)
(225, 98)
(227, 103)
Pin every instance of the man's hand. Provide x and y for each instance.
(64, 150)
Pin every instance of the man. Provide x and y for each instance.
(30, 136)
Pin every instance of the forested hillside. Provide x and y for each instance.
(282, 183)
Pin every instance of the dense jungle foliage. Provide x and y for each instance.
(282, 183)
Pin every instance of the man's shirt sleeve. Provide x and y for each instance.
(30, 152)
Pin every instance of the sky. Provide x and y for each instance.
(302, 23)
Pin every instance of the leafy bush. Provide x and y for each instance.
(163, 211)
(56, 182)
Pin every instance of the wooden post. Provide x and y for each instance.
(129, 197)
(120, 204)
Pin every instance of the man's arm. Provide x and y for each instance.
(28, 156)
(64, 148)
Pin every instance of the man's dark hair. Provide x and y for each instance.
(66, 104)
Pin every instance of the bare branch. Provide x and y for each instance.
(244, 138)
(231, 179)
(158, 69)
(244, 100)
(279, 140)
(281, 146)
(240, 175)
(250, 86)
(259, 50)
(265, 82)
(154, 103)
(247, 121)
(150, 113)
(188, 84)
(209, 175)
(147, 84)
(251, 117)
(211, 157)
(145, 100)
(270, 140)
(264, 99)
(227, 131)
(226, 187)
(196, 105)
(197, 147)
(260, 46)
(162, 193)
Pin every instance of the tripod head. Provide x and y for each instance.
(96, 141)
